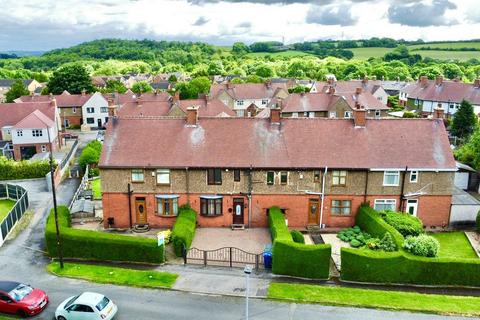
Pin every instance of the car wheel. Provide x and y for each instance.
(21, 313)
(61, 318)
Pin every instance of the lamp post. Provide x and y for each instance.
(54, 195)
(247, 271)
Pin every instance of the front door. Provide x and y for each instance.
(99, 123)
(238, 211)
(66, 123)
(141, 211)
(412, 206)
(313, 209)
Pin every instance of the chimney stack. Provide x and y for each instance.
(176, 97)
(112, 109)
(358, 90)
(229, 85)
(192, 116)
(275, 115)
(84, 92)
(423, 81)
(365, 80)
(53, 102)
(268, 83)
(331, 90)
(438, 80)
(438, 112)
(359, 116)
(374, 78)
(476, 84)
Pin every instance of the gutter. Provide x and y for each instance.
(323, 197)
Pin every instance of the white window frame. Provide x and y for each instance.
(414, 176)
(44, 148)
(104, 110)
(378, 114)
(391, 173)
(333, 115)
(163, 176)
(74, 109)
(339, 178)
(90, 110)
(264, 102)
(347, 114)
(384, 202)
(240, 102)
(294, 114)
(19, 133)
(136, 176)
(311, 114)
(412, 203)
(240, 112)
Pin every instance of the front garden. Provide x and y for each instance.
(5, 206)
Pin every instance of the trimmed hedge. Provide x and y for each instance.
(401, 267)
(184, 229)
(296, 259)
(94, 245)
(478, 222)
(372, 222)
(297, 236)
(404, 223)
(25, 169)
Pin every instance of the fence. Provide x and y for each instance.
(69, 155)
(225, 257)
(80, 189)
(12, 192)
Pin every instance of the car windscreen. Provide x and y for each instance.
(102, 304)
(20, 292)
(69, 303)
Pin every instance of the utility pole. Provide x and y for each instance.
(248, 270)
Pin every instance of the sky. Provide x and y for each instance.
(49, 24)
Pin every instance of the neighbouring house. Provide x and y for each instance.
(24, 126)
(392, 87)
(205, 106)
(252, 96)
(5, 84)
(310, 84)
(329, 105)
(94, 112)
(231, 170)
(372, 86)
(161, 85)
(466, 178)
(425, 95)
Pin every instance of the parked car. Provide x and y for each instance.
(71, 136)
(21, 299)
(100, 135)
(86, 306)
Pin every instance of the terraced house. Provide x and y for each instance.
(231, 170)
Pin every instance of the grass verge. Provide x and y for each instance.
(454, 245)
(5, 207)
(114, 275)
(366, 298)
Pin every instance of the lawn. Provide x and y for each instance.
(365, 53)
(5, 207)
(454, 245)
(97, 189)
(390, 300)
(114, 275)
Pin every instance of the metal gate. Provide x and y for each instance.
(226, 257)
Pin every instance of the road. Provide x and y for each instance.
(22, 260)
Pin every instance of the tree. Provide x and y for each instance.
(17, 90)
(191, 90)
(114, 86)
(464, 122)
(73, 77)
(253, 79)
(142, 87)
(264, 70)
(172, 78)
(240, 48)
(298, 89)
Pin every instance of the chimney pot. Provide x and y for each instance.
(358, 90)
(423, 81)
(84, 92)
(438, 80)
(438, 112)
(53, 102)
(192, 116)
(365, 79)
(176, 97)
(275, 115)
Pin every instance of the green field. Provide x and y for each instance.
(390, 300)
(443, 45)
(288, 54)
(365, 53)
(454, 245)
(5, 207)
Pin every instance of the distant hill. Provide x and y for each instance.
(21, 53)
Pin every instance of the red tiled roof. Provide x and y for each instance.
(351, 85)
(297, 102)
(144, 108)
(247, 90)
(63, 100)
(212, 108)
(35, 120)
(132, 97)
(12, 113)
(365, 99)
(296, 143)
(448, 91)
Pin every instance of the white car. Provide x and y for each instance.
(88, 305)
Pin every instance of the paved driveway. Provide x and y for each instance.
(251, 240)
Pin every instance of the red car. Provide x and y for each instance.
(21, 299)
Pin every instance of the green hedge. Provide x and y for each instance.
(25, 169)
(94, 245)
(297, 236)
(371, 221)
(296, 259)
(184, 229)
(401, 267)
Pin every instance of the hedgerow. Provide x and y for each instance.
(184, 229)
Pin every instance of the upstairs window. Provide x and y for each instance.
(377, 114)
(347, 115)
(270, 178)
(391, 178)
(236, 175)
(214, 176)
(37, 133)
(316, 176)
(339, 177)
(240, 102)
(103, 109)
(163, 176)
(137, 175)
(19, 133)
(264, 101)
(333, 115)
(414, 176)
(283, 177)
(90, 110)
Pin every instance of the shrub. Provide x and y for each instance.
(387, 244)
(74, 127)
(404, 223)
(184, 229)
(355, 236)
(422, 245)
(297, 236)
(90, 154)
(278, 228)
(478, 222)
(373, 243)
(25, 169)
(167, 235)
(94, 245)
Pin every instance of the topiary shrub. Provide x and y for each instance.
(422, 245)
(355, 236)
(404, 223)
(184, 229)
(278, 228)
(478, 222)
(387, 244)
(297, 236)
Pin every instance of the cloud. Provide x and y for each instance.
(421, 15)
(245, 25)
(201, 21)
(331, 15)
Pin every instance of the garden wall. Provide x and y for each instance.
(296, 259)
(94, 245)
(401, 267)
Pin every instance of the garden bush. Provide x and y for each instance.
(478, 222)
(102, 246)
(25, 169)
(371, 221)
(404, 223)
(292, 258)
(184, 229)
(387, 244)
(422, 245)
(90, 154)
(355, 236)
(297, 236)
